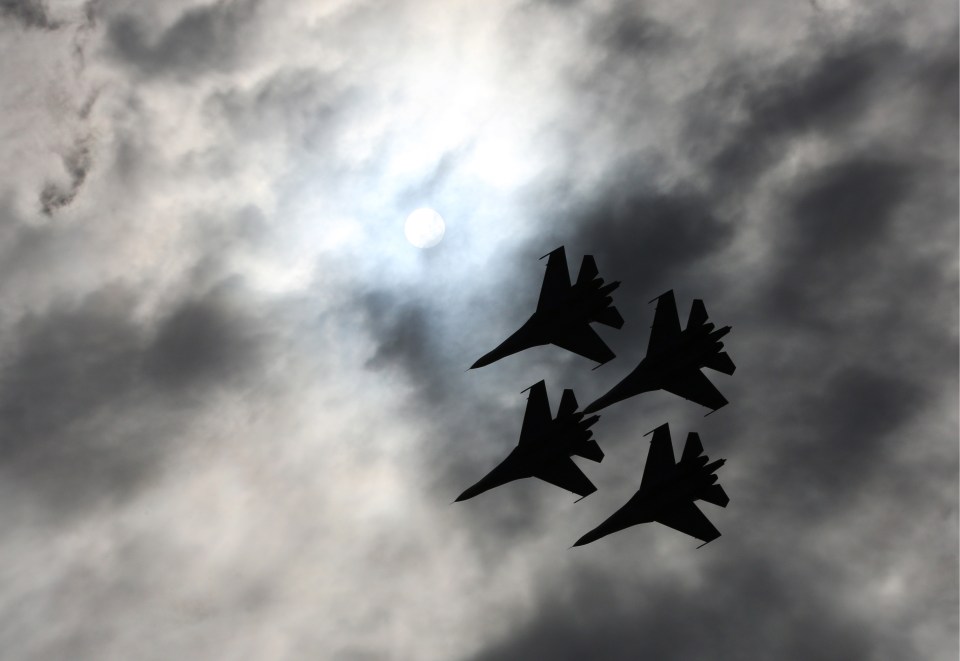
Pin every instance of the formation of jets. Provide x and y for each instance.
(673, 362)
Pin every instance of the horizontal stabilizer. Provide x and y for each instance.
(583, 340)
(698, 314)
(693, 447)
(721, 362)
(715, 495)
(566, 475)
(588, 270)
(590, 450)
(568, 403)
(609, 317)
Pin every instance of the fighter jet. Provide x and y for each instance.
(545, 447)
(564, 313)
(674, 358)
(668, 490)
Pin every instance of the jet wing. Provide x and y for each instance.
(584, 341)
(537, 418)
(666, 323)
(556, 281)
(696, 387)
(660, 459)
(566, 475)
(688, 519)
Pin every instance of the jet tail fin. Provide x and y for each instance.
(693, 448)
(698, 314)
(590, 450)
(568, 403)
(609, 317)
(715, 495)
(721, 362)
(588, 270)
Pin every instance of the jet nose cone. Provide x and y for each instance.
(469, 493)
(483, 361)
(591, 536)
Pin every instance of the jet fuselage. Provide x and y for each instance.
(687, 482)
(692, 350)
(580, 307)
(566, 436)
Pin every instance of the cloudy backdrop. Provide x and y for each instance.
(233, 401)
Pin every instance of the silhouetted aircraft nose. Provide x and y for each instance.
(482, 362)
(467, 495)
(591, 536)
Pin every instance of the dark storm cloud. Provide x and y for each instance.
(757, 608)
(848, 206)
(77, 162)
(71, 371)
(625, 31)
(202, 39)
(832, 232)
(647, 237)
(201, 342)
(404, 338)
(800, 96)
(79, 417)
(826, 94)
(29, 13)
(835, 440)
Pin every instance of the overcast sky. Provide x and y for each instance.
(234, 405)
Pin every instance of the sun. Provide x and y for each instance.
(424, 228)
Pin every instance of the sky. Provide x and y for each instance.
(234, 400)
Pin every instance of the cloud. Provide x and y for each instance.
(77, 162)
(71, 371)
(206, 38)
(758, 606)
(202, 341)
(29, 13)
(81, 397)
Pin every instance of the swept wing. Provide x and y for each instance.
(566, 475)
(584, 341)
(687, 518)
(694, 385)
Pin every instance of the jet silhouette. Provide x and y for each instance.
(668, 490)
(545, 447)
(674, 358)
(564, 313)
